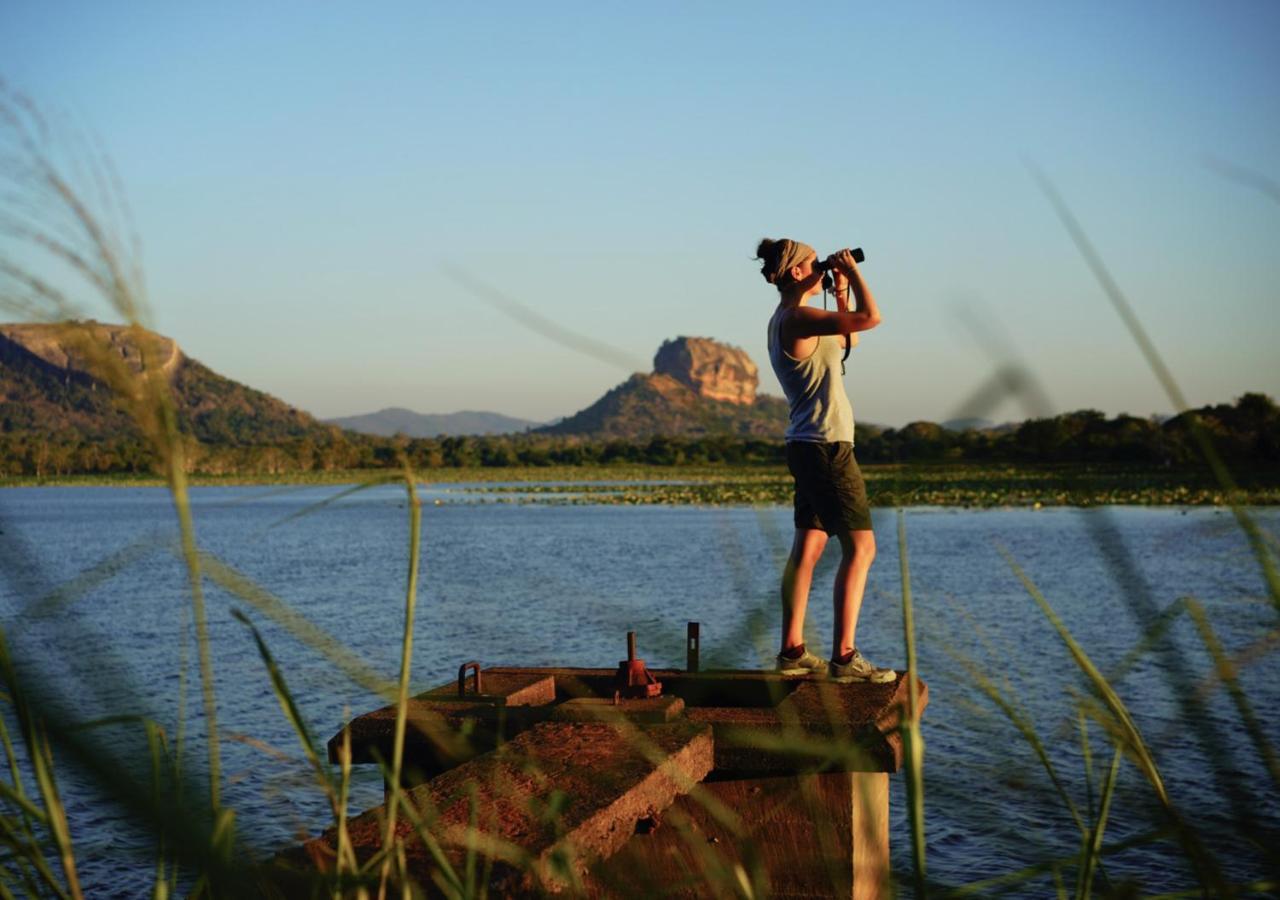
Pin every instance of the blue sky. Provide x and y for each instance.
(304, 175)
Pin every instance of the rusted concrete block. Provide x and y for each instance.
(819, 726)
(643, 710)
(445, 729)
(438, 733)
(571, 681)
(790, 837)
(501, 689)
(733, 688)
(546, 805)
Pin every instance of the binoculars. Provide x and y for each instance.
(825, 267)
(858, 256)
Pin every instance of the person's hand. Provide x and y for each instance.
(840, 280)
(844, 263)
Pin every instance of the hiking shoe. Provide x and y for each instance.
(805, 664)
(859, 668)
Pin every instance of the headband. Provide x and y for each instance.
(790, 253)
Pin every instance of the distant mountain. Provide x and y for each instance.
(397, 420)
(53, 381)
(698, 387)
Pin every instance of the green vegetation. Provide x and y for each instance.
(241, 440)
(956, 484)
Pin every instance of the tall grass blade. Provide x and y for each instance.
(1086, 756)
(913, 743)
(42, 766)
(298, 625)
(1058, 884)
(1152, 635)
(1248, 889)
(444, 876)
(1226, 672)
(191, 557)
(540, 324)
(53, 816)
(290, 708)
(29, 853)
(29, 810)
(346, 857)
(1025, 729)
(1245, 176)
(1127, 733)
(21, 860)
(406, 662)
(987, 886)
(469, 869)
(91, 578)
(336, 794)
(375, 481)
(79, 241)
(1112, 700)
(156, 745)
(1092, 849)
(1257, 543)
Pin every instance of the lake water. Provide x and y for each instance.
(95, 606)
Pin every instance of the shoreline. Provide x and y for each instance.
(888, 485)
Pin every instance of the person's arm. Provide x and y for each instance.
(805, 321)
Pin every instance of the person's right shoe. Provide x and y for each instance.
(859, 668)
(805, 664)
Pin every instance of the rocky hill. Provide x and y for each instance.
(52, 382)
(713, 370)
(697, 387)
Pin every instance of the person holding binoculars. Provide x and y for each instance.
(807, 348)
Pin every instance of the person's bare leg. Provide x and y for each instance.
(797, 578)
(858, 549)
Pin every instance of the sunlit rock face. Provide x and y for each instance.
(86, 348)
(713, 370)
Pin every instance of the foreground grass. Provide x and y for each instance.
(962, 485)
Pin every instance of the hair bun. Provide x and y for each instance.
(767, 250)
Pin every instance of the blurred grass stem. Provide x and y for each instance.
(1164, 375)
(406, 661)
(913, 741)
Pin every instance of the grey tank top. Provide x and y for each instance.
(820, 410)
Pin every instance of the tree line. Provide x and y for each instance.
(1246, 432)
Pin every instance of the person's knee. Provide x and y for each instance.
(859, 547)
(812, 551)
(808, 552)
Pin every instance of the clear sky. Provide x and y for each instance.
(304, 176)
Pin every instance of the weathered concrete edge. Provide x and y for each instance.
(600, 836)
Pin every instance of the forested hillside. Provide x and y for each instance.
(57, 419)
(57, 416)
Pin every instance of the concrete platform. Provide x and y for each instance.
(729, 780)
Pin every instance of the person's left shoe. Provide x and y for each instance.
(805, 664)
(859, 668)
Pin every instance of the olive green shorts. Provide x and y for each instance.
(830, 493)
